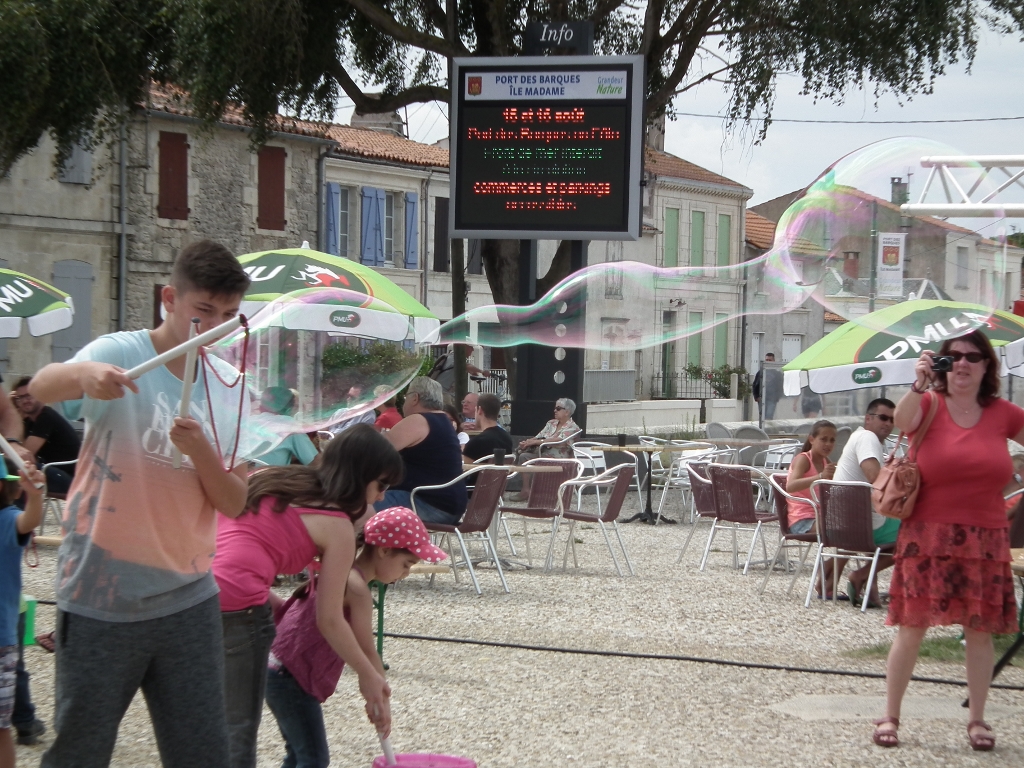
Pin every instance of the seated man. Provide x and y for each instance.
(554, 434)
(49, 437)
(492, 437)
(861, 460)
(469, 411)
(432, 455)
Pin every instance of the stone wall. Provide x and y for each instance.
(222, 195)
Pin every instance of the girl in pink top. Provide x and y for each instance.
(294, 514)
(953, 552)
(304, 668)
(810, 465)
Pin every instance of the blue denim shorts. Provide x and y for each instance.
(802, 526)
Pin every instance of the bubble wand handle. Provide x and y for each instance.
(389, 752)
(14, 458)
(186, 386)
(175, 352)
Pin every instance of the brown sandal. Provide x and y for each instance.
(886, 738)
(981, 742)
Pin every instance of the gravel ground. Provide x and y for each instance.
(513, 707)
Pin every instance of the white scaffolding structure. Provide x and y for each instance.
(1012, 166)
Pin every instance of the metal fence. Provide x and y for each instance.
(680, 386)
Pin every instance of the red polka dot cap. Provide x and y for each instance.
(399, 527)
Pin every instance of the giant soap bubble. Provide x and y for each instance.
(822, 253)
(315, 358)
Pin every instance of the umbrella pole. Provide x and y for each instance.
(186, 386)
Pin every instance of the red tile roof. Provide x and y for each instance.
(664, 164)
(360, 142)
(832, 317)
(760, 231)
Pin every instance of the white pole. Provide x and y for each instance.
(186, 386)
(194, 343)
(14, 458)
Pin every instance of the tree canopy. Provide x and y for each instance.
(76, 67)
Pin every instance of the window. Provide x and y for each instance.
(792, 345)
(668, 356)
(77, 168)
(270, 188)
(721, 340)
(697, 238)
(412, 231)
(961, 266)
(756, 344)
(793, 292)
(442, 243)
(724, 238)
(671, 257)
(613, 276)
(337, 226)
(983, 291)
(172, 202)
(75, 278)
(615, 356)
(389, 227)
(693, 342)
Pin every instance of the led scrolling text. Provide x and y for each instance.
(543, 159)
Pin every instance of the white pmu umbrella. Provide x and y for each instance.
(26, 298)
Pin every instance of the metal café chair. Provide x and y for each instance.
(843, 514)
(787, 539)
(567, 441)
(733, 492)
(548, 494)
(617, 481)
(702, 499)
(482, 506)
(677, 478)
(716, 430)
(53, 502)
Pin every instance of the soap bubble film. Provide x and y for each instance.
(821, 258)
(316, 358)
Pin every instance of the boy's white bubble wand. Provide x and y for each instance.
(186, 386)
(193, 343)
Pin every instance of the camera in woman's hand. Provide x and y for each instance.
(942, 363)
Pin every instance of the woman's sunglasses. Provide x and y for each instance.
(971, 357)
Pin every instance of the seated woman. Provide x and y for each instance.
(278, 405)
(555, 431)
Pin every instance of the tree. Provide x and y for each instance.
(75, 67)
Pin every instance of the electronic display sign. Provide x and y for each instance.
(546, 147)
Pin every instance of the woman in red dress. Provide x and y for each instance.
(953, 552)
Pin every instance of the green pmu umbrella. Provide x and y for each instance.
(275, 273)
(43, 307)
(880, 349)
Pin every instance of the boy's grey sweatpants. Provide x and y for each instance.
(177, 661)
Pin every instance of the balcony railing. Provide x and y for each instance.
(679, 386)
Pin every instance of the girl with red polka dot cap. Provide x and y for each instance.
(304, 669)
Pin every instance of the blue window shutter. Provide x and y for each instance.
(412, 231)
(381, 215)
(333, 193)
(371, 234)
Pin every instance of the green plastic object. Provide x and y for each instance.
(30, 620)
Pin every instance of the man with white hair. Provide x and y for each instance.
(432, 455)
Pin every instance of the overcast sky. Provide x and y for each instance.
(794, 154)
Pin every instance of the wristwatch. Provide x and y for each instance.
(13, 440)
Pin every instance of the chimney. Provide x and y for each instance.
(382, 122)
(900, 190)
(656, 133)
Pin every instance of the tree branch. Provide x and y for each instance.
(652, 23)
(436, 15)
(704, 79)
(368, 104)
(403, 34)
(604, 8)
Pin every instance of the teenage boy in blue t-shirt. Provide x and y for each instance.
(137, 602)
(15, 527)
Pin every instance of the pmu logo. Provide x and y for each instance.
(867, 375)
(475, 86)
(344, 318)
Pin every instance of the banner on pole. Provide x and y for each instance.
(891, 247)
